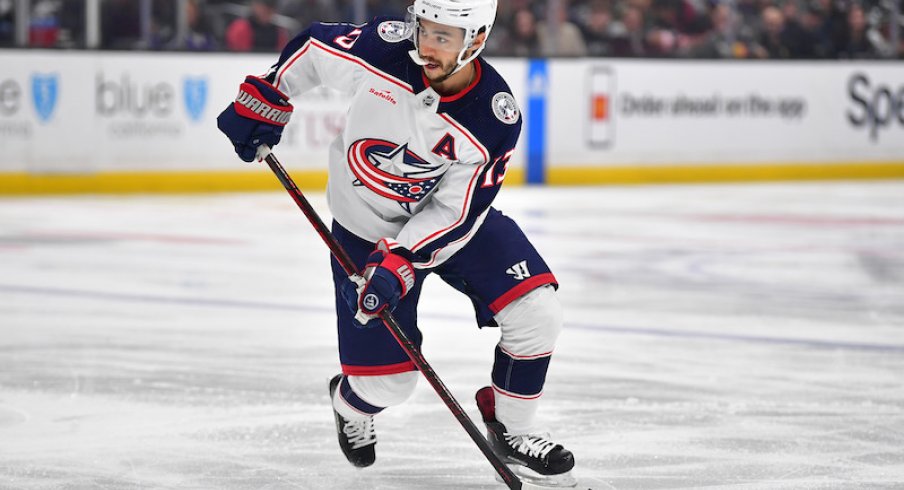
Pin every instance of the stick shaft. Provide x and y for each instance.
(410, 348)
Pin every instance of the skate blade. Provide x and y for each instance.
(531, 480)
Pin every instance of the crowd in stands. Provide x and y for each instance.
(740, 29)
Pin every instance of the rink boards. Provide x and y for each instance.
(137, 122)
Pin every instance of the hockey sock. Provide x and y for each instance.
(519, 383)
(351, 406)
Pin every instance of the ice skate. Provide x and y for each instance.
(533, 457)
(357, 438)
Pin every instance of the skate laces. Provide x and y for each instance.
(533, 445)
(360, 433)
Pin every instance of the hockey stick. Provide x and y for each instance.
(410, 348)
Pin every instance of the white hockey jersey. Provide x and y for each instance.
(410, 165)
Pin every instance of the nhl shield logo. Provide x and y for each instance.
(194, 92)
(44, 90)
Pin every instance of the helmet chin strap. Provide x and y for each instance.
(416, 57)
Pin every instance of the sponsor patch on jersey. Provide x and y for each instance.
(505, 108)
(393, 31)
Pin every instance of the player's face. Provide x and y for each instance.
(439, 45)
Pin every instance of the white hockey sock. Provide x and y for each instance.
(378, 392)
(343, 408)
(516, 414)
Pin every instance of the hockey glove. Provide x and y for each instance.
(389, 277)
(256, 118)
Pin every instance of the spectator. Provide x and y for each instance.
(524, 38)
(257, 32)
(120, 28)
(766, 29)
(771, 42)
(72, 25)
(305, 12)
(598, 29)
(748, 11)
(662, 35)
(854, 42)
(162, 26)
(835, 22)
(815, 22)
(559, 36)
(499, 43)
(630, 41)
(372, 8)
(7, 23)
(725, 39)
(803, 32)
(200, 35)
(44, 30)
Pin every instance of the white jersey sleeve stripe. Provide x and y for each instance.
(461, 218)
(453, 246)
(354, 59)
(470, 137)
(301, 51)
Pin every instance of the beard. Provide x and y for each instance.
(445, 70)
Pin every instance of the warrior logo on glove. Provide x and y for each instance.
(371, 301)
(256, 118)
(251, 104)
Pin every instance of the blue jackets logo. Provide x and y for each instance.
(44, 91)
(194, 92)
(393, 171)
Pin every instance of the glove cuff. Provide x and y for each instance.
(264, 84)
(401, 268)
(397, 260)
(253, 102)
(390, 246)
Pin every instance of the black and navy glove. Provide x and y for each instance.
(388, 277)
(257, 117)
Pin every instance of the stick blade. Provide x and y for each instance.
(581, 484)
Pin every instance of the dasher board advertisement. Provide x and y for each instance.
(668, 112)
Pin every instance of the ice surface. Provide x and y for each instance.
(724, 336)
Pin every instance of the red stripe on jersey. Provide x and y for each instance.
(522, 288)
(303, 50)
(464, 91)
(355, 157)
(435, 254)
(525, 358)
(469, 196)
(402, 367)
(317, 43)
(512, 395)
(461, 218)
(349, 405)
(360, 152)
(483, 151)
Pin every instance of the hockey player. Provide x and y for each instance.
(430, 131)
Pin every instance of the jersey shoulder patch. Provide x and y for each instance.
(505, 108)
(394, 31)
